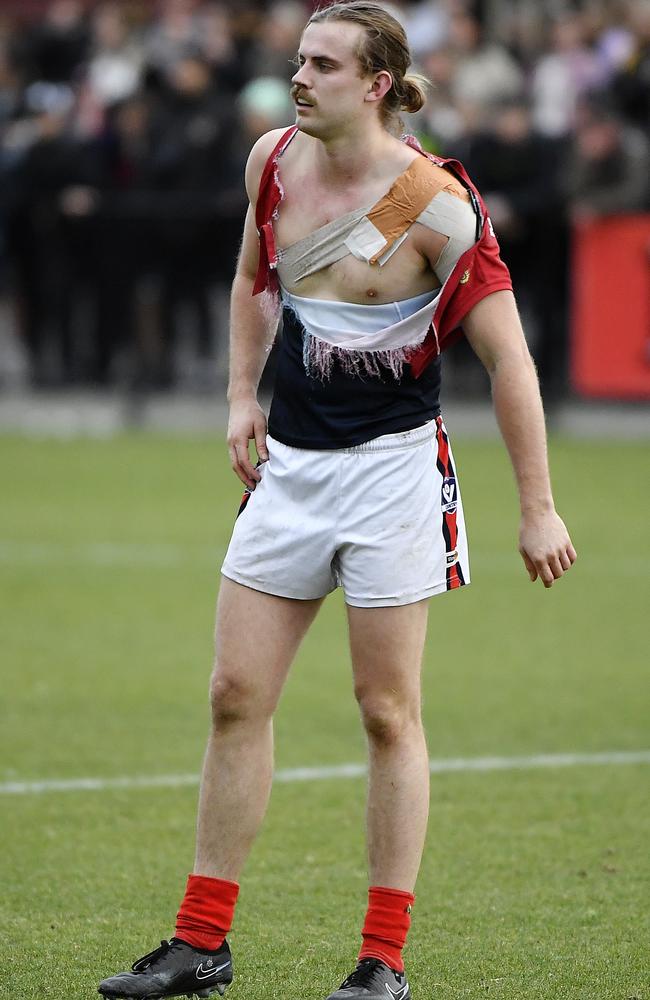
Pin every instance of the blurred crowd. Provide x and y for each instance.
(125, 127)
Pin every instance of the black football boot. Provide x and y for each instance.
(175, 969)
(373, 980)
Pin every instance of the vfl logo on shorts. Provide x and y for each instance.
(449, 495)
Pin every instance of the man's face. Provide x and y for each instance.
(328, 89)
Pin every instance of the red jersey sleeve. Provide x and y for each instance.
(484, 274)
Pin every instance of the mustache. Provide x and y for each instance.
(297, 92)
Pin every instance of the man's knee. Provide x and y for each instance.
(235, 699)
(386, 716)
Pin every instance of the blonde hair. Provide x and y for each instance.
(384, 46)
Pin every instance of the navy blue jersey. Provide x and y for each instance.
(344, 410)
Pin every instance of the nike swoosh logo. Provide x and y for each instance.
(400, 994)
(202, 973)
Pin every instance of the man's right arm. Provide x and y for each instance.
(252, 330)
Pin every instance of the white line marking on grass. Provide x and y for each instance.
(156, 555)
(458, 764)
(163, 555)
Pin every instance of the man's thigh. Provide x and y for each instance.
(257, 636)
(386, 645)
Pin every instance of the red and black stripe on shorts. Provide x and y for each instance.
(244, 500)
(446, 469)
(248, 492)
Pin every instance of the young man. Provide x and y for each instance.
(386, 252)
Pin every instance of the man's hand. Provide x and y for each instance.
(545, 546)
(247, 422)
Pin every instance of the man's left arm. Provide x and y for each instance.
(494, 330)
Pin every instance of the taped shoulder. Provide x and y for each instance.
(455, 218)
(384, 227)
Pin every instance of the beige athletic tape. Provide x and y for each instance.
(318, 250)
(409, 196)
(448, 215)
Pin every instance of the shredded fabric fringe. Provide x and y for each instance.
(320, 357)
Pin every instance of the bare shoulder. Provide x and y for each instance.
(257, 158)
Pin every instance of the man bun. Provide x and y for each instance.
(414, 93)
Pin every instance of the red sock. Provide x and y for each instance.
(387, 923)
(206, 913)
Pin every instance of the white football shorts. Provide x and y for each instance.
(383, 520)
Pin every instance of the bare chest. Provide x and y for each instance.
(306, 207)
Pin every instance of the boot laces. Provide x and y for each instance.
(364, 973)
(147, 960)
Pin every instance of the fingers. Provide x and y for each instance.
(549, 567)
(259, 428)
(240, 461)
(238, 467)
(563, 561)
(541, 567)
(247, 422)
(546, 573)
(555, 566)
(530, 565)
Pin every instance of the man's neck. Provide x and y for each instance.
(354, 156)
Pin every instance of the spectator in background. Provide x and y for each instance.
(608, 167)
(111, 73)
(10, 101)
(175, 31)
(51, 49)
(115, 64)
(122, 210)
(219, 48)
(427, 27)
(613, 38)
(264, 104)
(563, 75)
(631, 87)
(49, 162)
(519, 172)
(522, 30)
(10, 86)
(278, 37)
(440, 123)
(484, 72)
(191, 157)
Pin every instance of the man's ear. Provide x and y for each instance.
(380, 86)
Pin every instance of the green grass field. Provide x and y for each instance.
(535, 881)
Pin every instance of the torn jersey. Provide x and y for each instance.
(364, 339)
(469, 267)
(420, 194)
(349, 405)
